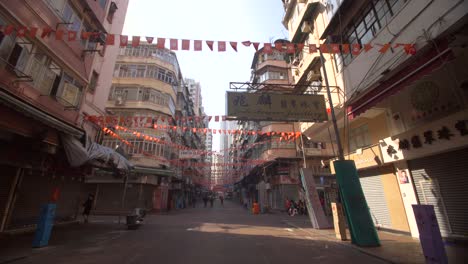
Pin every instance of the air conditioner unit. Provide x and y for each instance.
(307, 27)
(313, 76)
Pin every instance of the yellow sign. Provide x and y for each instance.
(276, 107)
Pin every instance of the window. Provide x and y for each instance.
(376, 15)
(359, 137)
(102, 3)
(93, 82)
(112, 10)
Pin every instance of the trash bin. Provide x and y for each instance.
(132, 221)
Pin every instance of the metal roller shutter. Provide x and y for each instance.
(441, 181)
(372, 187)
(6, 179)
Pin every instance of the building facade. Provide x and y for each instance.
(401, 113)
(46, 77)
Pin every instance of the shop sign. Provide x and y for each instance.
(439, 136)
(189, 154)
(365, 158)
(276, 107)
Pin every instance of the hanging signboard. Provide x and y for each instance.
(275, 107)
(189, 154)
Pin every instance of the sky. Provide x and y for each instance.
(217, 20)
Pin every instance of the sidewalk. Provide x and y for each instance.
(394, 248)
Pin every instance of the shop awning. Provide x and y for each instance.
(79, 154)
(155, 171)
(37, 114)
(422, 66)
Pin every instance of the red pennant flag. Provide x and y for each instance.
(246, 43)
(59, 34)
(216, 118)
(256, 44)
(33, 32)
(233, 45)
(197, 45)
(185, 44)
(214, 131)
(356, 49)
(45, 32)
(300, 47)
(174, 43)
(194, 130)
(367, 47)
(86, 35)
(324, 48)
(210, 44)
(410, 49)
(149, 39)
(10, 28)
(224, 118)
(267, 48)
(135, 41)
(312, 48)
(290, 48)
(161, 43)
(279, 46)
(209, 118)
(335, 48)
(345, 48)
(71, 35)
(123, 41)
(221, 46)
(110, 39)
(21, 32)
(385, 47)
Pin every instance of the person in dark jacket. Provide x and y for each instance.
(88, 205)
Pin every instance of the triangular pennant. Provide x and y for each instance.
(345, 48)
(267, 48)
(197, 45)
(10, 28)
(185, 44)
(209, 118)
(21, 31)
(221, 46)
(300, 47)
(279, 46)
(312, 48)
(256, 44)
(161, 43)
(135, 41)
(210, 44)
(214, 131)
(356, 49)
(33, 32)
(233, 45)
(123, 41)
(368, 47)
(149, 40)
(385, 47)
(335, 48)
(174, 44)
(324, 48)
(246, 43)
(45, 32)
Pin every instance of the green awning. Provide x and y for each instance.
(307, 16)
(155, 171)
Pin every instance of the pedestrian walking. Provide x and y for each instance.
(211, 200)
(221, 199)
(87, 206)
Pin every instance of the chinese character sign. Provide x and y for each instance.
(276, 107)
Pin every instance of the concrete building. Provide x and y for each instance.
(406, 134)
(49, 82)
(195, 94)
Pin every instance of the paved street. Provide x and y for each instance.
(200, 235)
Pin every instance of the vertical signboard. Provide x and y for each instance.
(316, 214)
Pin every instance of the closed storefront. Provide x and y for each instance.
(6, 180)
(36, 189)
(383, 198)
(441, 181)
(109, 197)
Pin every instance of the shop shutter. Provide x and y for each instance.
(372, 187)
(441, 181)
(6, 179)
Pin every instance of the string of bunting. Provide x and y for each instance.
(196, 45)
